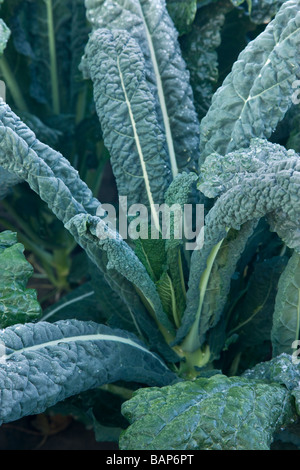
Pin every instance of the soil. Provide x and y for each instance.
(43, 433)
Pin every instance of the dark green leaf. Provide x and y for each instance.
(17, 303)
(258, 92)
(44, 363)
(218, 413)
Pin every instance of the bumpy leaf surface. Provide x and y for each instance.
(44, 363)
(59, 165)
(17, 303)
(286, 318)
(258, 92)
(148, 22)
(89, 231)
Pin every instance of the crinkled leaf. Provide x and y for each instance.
(80, 304)
(131, 132)
(89, 231)
(17, 303)
(43, 132)
(182, 14)
(4, 36)
(218, 413)
(254, 314)
(44, 363)
(262, 11)
(286, 319)
(219, 173)
(7, 181)
(199, 50)
(148, 22)
(153, 255)
(166, 293)
(181, 191)
(59, 165)
(267, 185)
(258, 92)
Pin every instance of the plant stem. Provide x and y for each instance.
(12, 85)
(53, 58)
(191, 342)
(42, 254)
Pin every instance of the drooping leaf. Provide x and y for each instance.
(44, 363)
(59, 165)
(4, 36)
(258, 92)
(17, 303)
(283, 370)
(219, 173)
(218, 413)
(131, 132)
(149, 24)
(211, 272)
(286, 319)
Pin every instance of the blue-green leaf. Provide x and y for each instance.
(126, 108)
(148, 22)
(44, 363)
(286, 318)
(258, 92)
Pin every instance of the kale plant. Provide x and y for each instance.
(197, 347)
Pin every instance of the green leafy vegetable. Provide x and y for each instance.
(17, 303)
(149, 24)
(175, 330)
(252, 106)
(201, 415)
(286, 319)
(120, 83)
(182, 14)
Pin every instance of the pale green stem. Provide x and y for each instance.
(53, 59)
(12, 85)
